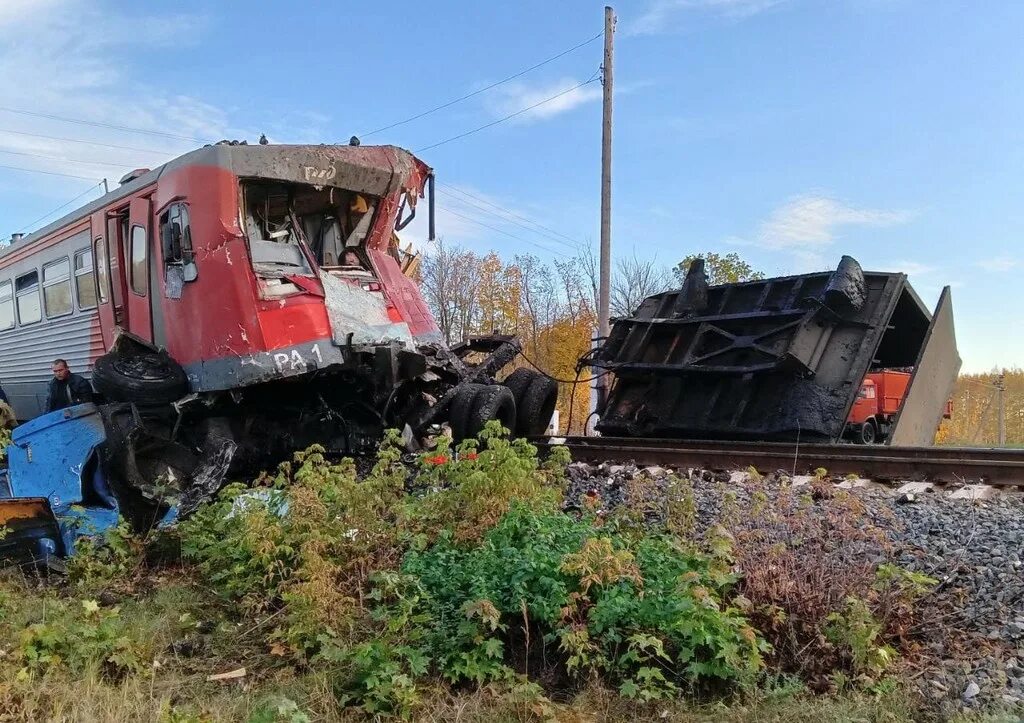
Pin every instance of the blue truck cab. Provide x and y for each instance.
(55, 488)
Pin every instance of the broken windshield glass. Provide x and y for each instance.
(275, 237)
(283, 221)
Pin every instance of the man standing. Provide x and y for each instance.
(66, 389)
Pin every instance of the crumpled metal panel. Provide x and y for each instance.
(779, 358)
(360, 317)
(373, 170)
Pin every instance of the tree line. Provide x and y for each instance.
(975, 416)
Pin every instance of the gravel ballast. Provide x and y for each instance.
(972, 623)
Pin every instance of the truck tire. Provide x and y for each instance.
(519, 381)
(536, 396)
(460, 409)
(536, 406)
(868, 432)
(148, 379)
(493, 401)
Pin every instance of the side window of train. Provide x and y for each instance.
(6, 306)
(102, 270)
(138, 261)
(85, 279)
(57, 288)
(26, 298)
(176, 239)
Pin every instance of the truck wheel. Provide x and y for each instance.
(519, 381)
(535, 396)
(459, 411)
(148, 379)
(536, 406)
(493, 401)
(868, 432)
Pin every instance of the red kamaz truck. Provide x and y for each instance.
(877, 404)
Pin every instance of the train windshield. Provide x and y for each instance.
(275, 240)
(290, 224)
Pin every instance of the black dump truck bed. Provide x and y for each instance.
(776, 359)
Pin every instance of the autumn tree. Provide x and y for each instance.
(633, 280)
(721, 269)
(499, 294)
(975, 417)
(450, 278)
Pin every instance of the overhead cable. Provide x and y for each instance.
(481, 90)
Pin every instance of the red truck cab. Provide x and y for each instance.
(877, 404)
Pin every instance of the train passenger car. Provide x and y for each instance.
(48, 309)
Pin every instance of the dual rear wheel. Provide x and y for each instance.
(524, 404)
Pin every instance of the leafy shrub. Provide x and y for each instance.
(474, 488)
(470, 577)
(305, 542)
(647, 613)
(78, 637)
(108, 560)
(855, 631)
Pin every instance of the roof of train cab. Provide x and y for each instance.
(372, 170)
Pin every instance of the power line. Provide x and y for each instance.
(481, 90)
(90, 189)
(65, 160)
(97, 124)
(510, 116)
(80, 140)
(504, 219)
(47, 173)
(501, 231)
(573, 242)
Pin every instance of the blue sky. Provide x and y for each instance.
(789, 131)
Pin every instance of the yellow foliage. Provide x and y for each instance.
(975, 410)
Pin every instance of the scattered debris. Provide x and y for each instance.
(229, 675)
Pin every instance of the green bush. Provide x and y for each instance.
(648, 613)
(383, 588)
(78, 637)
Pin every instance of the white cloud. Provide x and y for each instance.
(998, 263)
(666, 15)
(911, 268)
(513, 97)
(811, 222)
(50, 64)
(15, 11)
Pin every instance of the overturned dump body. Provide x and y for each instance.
(776, 359)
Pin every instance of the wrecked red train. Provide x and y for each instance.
(254, 295)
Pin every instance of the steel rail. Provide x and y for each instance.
(937, 464)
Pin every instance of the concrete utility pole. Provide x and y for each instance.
(1001, 408)
(604, 284)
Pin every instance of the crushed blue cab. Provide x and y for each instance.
(54, 459)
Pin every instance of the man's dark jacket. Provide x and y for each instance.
(67, 393)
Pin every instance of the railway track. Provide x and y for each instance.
(999, 467)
